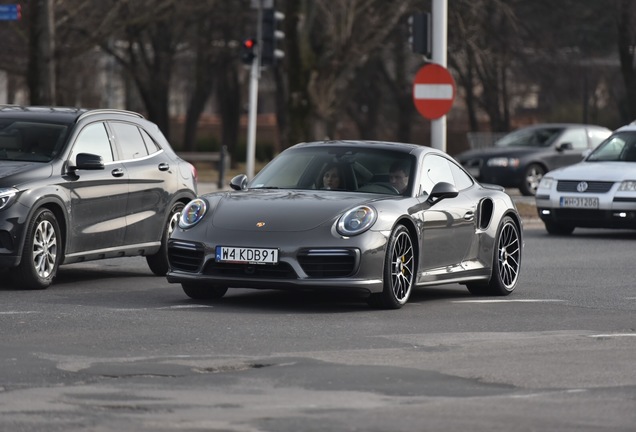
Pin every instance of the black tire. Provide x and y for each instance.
(158, 262)
(399, 271)
(554, 228)
(531, 178)
(203, 292)
(506, 262)
(41, 254)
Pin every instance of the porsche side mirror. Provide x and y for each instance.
(239, 182)
(442, 190)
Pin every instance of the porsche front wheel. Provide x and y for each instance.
(399, 271)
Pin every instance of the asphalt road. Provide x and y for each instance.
(110, 347)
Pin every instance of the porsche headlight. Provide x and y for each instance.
(357, 220)
(192, 213)
(627, 186)
(503, 162)
(6, 196)
(546, 183)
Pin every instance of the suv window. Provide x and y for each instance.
(151, 145)
(131, 144)
(93, 139)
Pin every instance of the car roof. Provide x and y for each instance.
(64, 115)
(629, 127)
(561, 125)
(382, 145)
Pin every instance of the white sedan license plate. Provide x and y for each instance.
(579, 202)
(246, 255)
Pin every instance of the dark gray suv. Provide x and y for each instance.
(79, 185)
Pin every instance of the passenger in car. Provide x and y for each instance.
(331, 177)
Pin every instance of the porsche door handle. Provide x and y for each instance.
(117, 172)
(164, 166)
(469, 216)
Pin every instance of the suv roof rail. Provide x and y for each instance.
(109, 111)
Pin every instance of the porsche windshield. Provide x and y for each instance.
(338, 168)
(620, 147)
(30, 141)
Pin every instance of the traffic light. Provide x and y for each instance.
(248, 51)
(420, 33)
(272, 37)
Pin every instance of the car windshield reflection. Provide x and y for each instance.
(30, 141)
(338, 169)
(620, 147)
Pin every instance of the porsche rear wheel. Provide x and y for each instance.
(42, 252)
(399, 271)
(506, 262)
(203, 292)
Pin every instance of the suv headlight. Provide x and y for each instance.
(192, 213)
(6, 197)
(357, 220)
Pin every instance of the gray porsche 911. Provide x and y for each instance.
(377, 217)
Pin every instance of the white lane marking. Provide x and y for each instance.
(509, 301)
(433, 91)
(18, 312)
(160, 308)
(611, 335)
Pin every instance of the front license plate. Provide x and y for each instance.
(579, 202)
(246, 255)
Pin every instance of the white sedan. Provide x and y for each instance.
(599, 192)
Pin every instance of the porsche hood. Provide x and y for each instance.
(281, 210)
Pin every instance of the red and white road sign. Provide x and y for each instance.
(433, 91)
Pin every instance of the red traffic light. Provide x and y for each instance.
(249, 43)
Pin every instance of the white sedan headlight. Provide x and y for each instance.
(546, 182)
(192, 213)
(503, 162)
(627, 186)
(6, 195)
(357, 220)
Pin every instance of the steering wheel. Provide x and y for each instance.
(380, 187)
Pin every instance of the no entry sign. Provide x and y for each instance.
(433, 91)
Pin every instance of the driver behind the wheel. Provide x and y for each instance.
(399, 175)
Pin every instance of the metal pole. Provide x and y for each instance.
(252, 116)
(440, 47)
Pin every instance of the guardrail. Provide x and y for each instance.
(219, 160)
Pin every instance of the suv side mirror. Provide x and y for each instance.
(88, 161)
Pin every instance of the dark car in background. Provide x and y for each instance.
(79, 185)
(521, 158)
